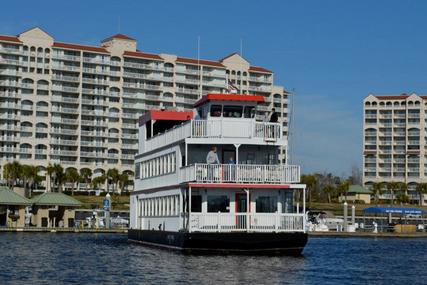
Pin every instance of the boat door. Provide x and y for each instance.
(241, 207)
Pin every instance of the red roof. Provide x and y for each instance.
(229, 97)
(398, 97)
(80, 47)
(259, 69)
(119, 36)
(142, 55)
(165, 115)
(201, 61)
(9, 39)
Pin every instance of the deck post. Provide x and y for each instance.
(189, 209)
(303, 209)
(186, 154)
(248, 203)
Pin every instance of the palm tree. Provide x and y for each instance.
(50, 172)
(393, 187)
(11, 172)
(72, 176)
(421, 190)
(310, 182)
(113, 177)
(98, 181)
(402, 198)
(343, 188)
(329, 190)
(378, 189)
(31, 177)
(86, 176)
(123, 181)
(59, 176)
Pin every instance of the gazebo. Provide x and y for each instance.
(12, 208)
(54, 210)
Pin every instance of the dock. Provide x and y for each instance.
(64, 230)
(367, 234)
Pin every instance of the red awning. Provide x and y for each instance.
(230, 97)
(164, 115)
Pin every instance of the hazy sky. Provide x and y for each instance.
(330, 53)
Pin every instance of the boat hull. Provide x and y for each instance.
(235, 243)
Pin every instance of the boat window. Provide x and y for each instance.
(196, 203)
(233, 111)
(216, 110)
(287, 202)
(218, 203)
(266, 204)
(249, 112)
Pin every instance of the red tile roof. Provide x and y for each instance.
(397, 97)
(9, 39)
(80, 47)
(259, 69)
(230, 55)
(229, 97)
(119, 36)
(142, 54)
(201, 61)
(165, 115)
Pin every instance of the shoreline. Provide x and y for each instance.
(62, 230)
(366, 234)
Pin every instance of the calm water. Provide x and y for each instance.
(109, 259)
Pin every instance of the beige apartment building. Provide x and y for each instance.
(394, 141)
(79, 105)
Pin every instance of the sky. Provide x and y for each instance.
(329, 54)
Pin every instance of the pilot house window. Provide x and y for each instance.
(233, 111)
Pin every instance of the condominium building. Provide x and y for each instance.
(79, 105)
(394, 141)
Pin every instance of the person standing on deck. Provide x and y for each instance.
(274, 117)
(212, 158)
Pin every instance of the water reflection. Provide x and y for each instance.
(110, 259)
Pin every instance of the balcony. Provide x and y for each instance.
(232, 128)
(241, 173)
(246, 222)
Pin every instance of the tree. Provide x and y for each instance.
(113, 177)
(330, 190)
(393, 187)
(421, 190)
(12, 171)
(378, 189)
(72, 176)
(123, 181)
(50, 170)
(86, 176)
(343, 188)
(98, 181)
(402, 198)
(30, 177)
(59, 176)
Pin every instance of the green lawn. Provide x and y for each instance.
(118, 202)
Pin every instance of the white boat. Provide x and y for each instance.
(246, 205)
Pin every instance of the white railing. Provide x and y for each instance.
(227, 128)
(246, 222)
(241, 173)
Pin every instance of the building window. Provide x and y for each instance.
(266, 204)
(218, 203)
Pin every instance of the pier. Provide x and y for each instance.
(64, 230)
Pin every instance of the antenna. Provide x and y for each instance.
(119, 24)
(200, 68)
(241, 47)
(290, 124)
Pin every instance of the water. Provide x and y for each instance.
(46, 258)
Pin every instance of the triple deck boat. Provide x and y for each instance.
(243, 201)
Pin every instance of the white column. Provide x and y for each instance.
(189, 209)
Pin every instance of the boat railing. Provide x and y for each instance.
(240, 173)
(223, 128)
(246, 222)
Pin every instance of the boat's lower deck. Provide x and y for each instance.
(289, 243)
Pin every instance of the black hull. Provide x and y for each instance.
(236, 243)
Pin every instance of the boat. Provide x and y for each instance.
(210, 181)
